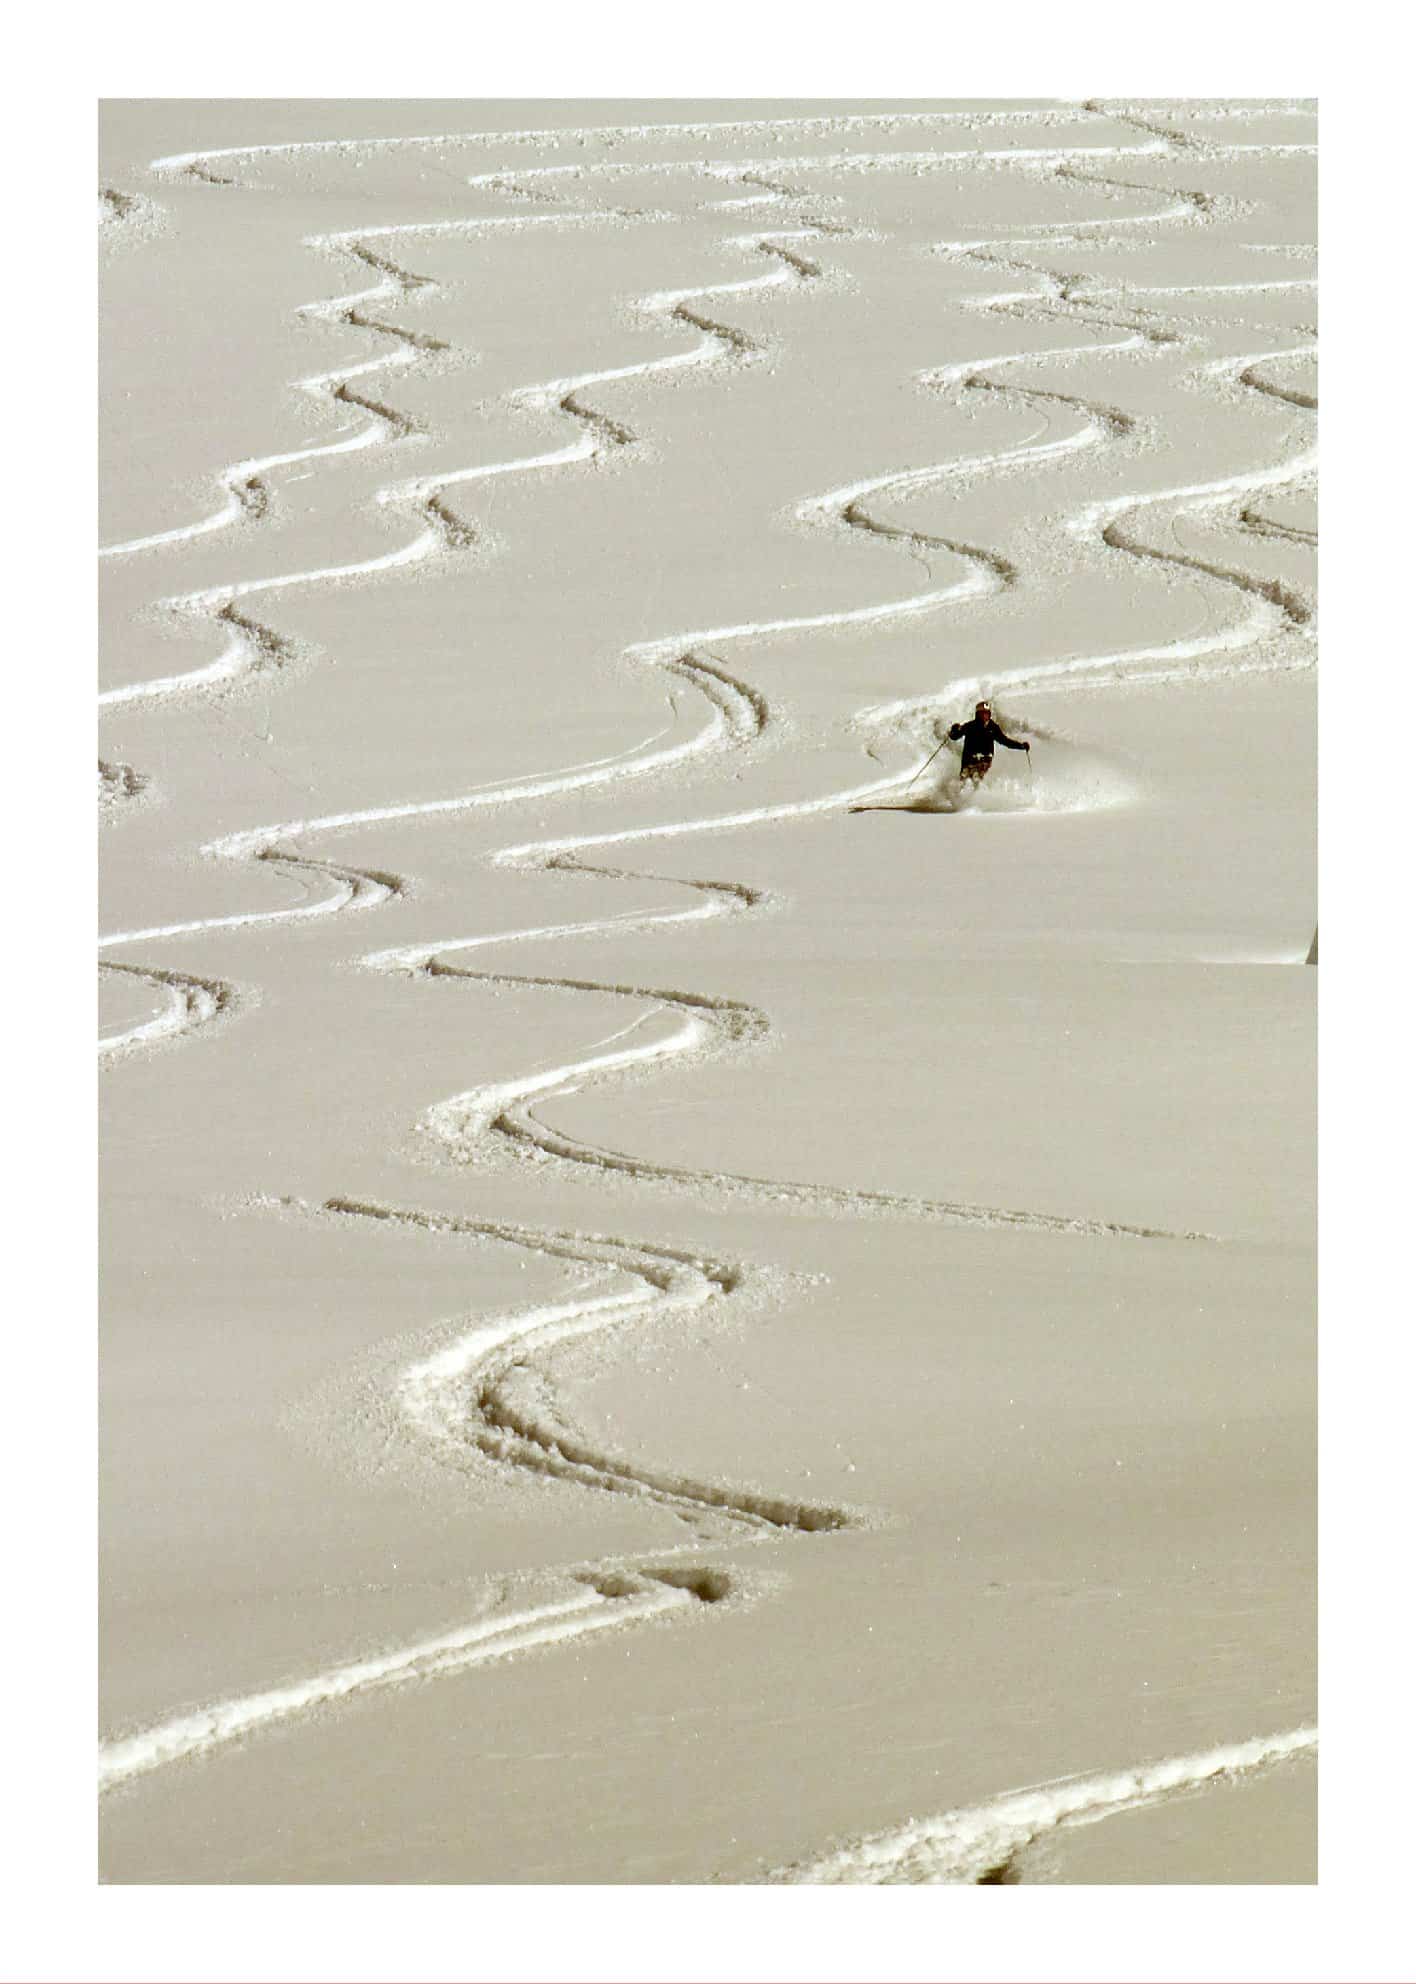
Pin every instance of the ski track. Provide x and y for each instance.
(597, 1600)
(1271, 610)
(501, 1113)
(191, 1003)
(1262, 526)
(247, 496)
(358, 888)
(737, 715)
(737, 712)
(481, 1391)
(1291, 394)
(200, 163)
(473, 1395)
(980, 1845)
(252, 646)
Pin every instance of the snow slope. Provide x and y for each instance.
(617, 1270)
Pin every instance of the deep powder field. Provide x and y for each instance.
(684, 1297)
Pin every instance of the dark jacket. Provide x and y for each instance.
(980, 734)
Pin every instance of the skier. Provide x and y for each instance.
(979, 737)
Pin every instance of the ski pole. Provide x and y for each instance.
(928, 762)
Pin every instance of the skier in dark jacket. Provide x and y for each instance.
(980, 735)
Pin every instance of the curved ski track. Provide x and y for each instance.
(502, 1111)
(499, 1419)
(199, 163)
(513, 1122)
(980, 1845)
(1277, 608)
(253, 646)
(359, 888)
(597, 1598)
(247, 492)
(482, 1391)
(191, 1002)
(738, 712)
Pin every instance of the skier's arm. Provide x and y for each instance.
(956, 731)
(1013, 743)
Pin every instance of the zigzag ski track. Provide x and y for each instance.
(502, 1114)
(248, 494)
(594, 1601)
